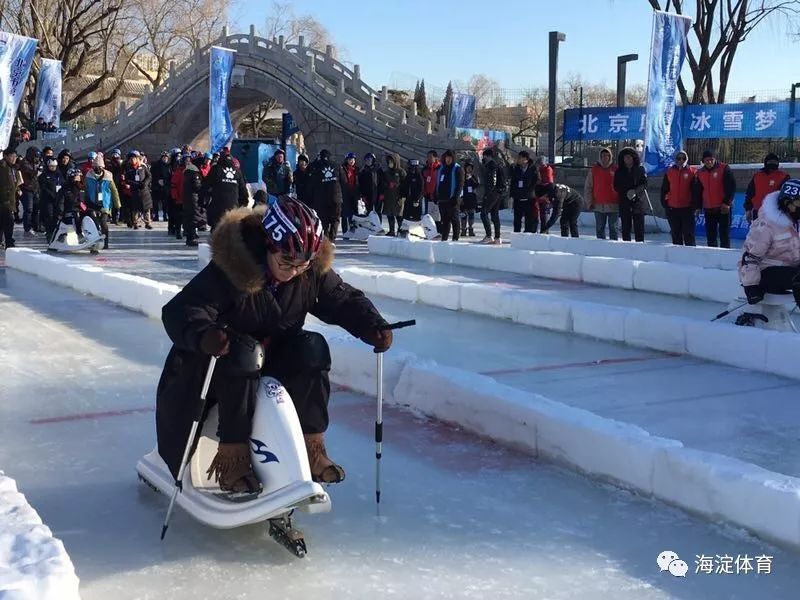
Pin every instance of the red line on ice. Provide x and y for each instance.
(590, 363)
(89, 416)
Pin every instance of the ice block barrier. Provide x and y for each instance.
(715, 486)
(694, 256)
(33, 564)
(745, 347)
(621, 265)
(131, 291)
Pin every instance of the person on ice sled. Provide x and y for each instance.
(267, 272)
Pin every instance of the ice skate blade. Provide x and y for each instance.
(224, 514)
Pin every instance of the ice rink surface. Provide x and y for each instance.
(460, 518)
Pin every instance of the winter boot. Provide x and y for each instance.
(233, 470)
(471, 232)
(323, 469)
(487, 240)
(105, 243)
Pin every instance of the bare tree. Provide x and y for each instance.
(484, 88)
(171, 29)
(283, 21)
(719, 28)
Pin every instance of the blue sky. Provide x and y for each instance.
(507, 40)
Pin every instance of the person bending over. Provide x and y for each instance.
(268, 271)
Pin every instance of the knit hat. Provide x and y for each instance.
(98, 162)
(709, 154)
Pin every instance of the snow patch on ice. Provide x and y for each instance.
(33, 564)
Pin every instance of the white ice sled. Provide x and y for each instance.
(424, 229)
(279, 458)
(66, 239)
(363, 227)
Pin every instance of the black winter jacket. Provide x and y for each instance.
(233, 290)
(192, 185)
(324, 188)
(228, 190)
(523, 183)
(626, 179)
(302, 180)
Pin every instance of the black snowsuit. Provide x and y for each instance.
(326, 195)
(160, 188)
(192, 213)
(301, 184)
(50, 183)
(522, 192)
(631, 212)
(414, 191)
(368, 187)
(233, 290)
(228, 190)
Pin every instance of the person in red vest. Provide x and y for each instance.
(678, 201)
(600, 195)
(715, 187)
(546, 174)
(765, 181)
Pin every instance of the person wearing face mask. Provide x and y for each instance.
(160, 186)
(677, 200)
(348, 180)
(267, 272)
(770, 262)
(449, 189)
(368, 180)
(524, 179)
(50, 184)
(765, 181)
(714, 188)
(29, 169)
(391, 192)
(301, 179)
(630, 182)
(138, 177)
(102, 197)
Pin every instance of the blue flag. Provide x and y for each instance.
(663, 131)
(220, 128)
(463, 111)
(16, 58)
(48, 92)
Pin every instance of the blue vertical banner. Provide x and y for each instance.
(48, 92)
(663, 130)
(16, 58)
(220, 127)
(463, 111)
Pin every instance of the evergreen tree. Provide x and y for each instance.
(446, 109)
(421, 100)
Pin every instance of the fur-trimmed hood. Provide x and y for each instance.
(770, 211)
(239, 248)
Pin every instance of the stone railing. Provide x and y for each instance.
(326, 86)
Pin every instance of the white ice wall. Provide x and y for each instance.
(713, 485)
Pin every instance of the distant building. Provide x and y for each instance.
(513, 120)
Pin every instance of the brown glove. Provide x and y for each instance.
(380, 339)
(215, 342)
